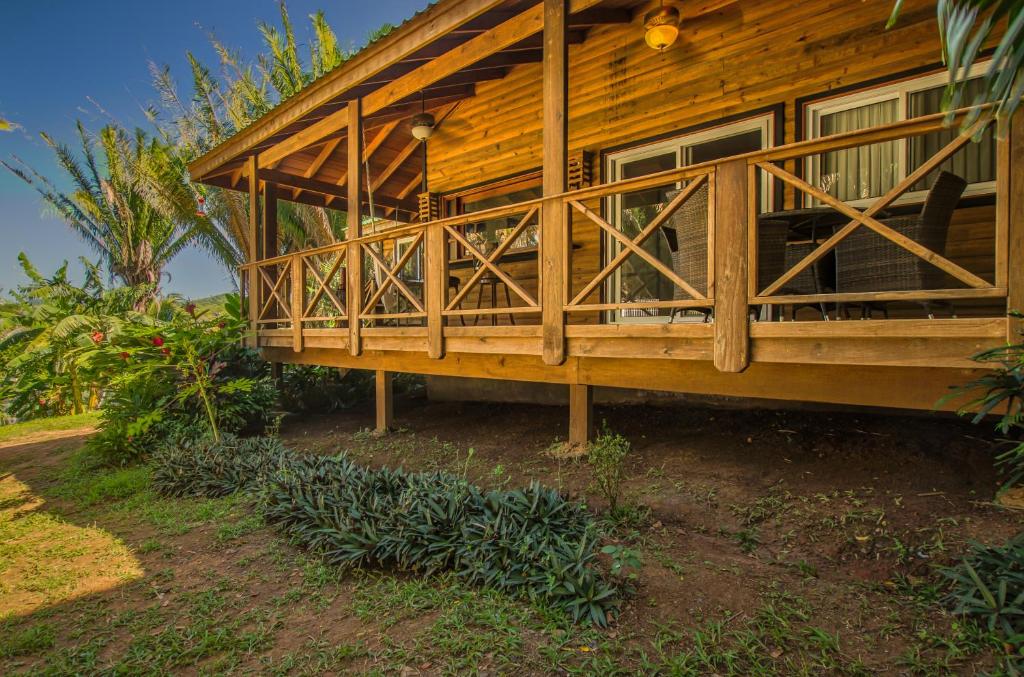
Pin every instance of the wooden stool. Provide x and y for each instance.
(492, 281)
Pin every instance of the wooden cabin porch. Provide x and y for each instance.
(560, 287)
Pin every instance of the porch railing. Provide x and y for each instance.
(307, 294)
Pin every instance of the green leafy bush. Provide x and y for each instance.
(179, 376)
(989, 586)
(318, 389)
(528, 541)
(606, 456)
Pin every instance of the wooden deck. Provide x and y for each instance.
(303, 312)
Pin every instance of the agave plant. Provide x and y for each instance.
(966, 27)
(130, 202)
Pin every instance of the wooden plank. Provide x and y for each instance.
(298, 301)
(732, 339)
(253, 245)
(961, 327)
(555, 101)
(1015, 229)
(354, 227)
(385, 401)
(581, 413)
(435, 289)
(270, 247)
(924, 295)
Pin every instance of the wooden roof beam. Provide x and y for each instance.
(505, 35)
(325, 188)
(429, 25)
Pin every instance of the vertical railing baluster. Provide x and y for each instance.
(298, 300)
(435, 295)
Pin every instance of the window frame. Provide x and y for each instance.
(763, 121)
(900, 91)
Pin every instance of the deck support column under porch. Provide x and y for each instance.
(385, 401)
(581, 413)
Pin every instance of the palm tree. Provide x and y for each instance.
(221, 105)
(965, 27)
(130, 202)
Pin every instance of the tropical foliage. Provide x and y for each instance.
(967, 27)
(528, 541)
(44, 325)
(228, 97)
(130, 201)
(184, 375)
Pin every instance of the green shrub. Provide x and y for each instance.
(213, 469)
(989, 586)
(318, 389)
(529, 541)
(606, 455)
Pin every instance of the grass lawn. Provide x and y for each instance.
(43, 425)
(827, 571)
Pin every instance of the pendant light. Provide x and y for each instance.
(423, 122)
(662, 26)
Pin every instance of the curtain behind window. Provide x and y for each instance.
(865, 171)
(976, 162)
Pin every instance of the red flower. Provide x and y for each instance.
(191, 309)
(42, 401)
(97, 336)
(221, 325)
(166, 351)
(158, 341)
(124, 355)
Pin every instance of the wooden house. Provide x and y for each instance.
(771, 206)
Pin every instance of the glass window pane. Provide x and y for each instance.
(487, 233)
(638, 281)
(727, 146)
(865, 171)
(975, 162)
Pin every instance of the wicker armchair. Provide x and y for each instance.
(690, 255)
(867, 262)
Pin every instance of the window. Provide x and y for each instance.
(487, 233)
(413, 270)
(859, 174)
(636, 280)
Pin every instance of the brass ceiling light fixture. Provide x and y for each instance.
(662, 27)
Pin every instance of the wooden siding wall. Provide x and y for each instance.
(746, 56)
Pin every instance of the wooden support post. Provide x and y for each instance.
(555, 94)
(385, 401)
(298, 301)
(581, 413)
(1014, 247)
(732, 324)
(354, 225)
(253, 253)
(269, 246)
(436, 298)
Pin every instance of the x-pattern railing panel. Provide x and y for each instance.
(490, 263)
(323, 285)
(866, 218)
(270, 293)
(392, 278)
(634, 246)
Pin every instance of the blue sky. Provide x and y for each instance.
(60, 56)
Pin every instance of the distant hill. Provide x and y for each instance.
(214, 304)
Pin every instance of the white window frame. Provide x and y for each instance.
(401, 245)
(896, 91)
(763, 122)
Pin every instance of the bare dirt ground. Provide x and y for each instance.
(772, 542)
